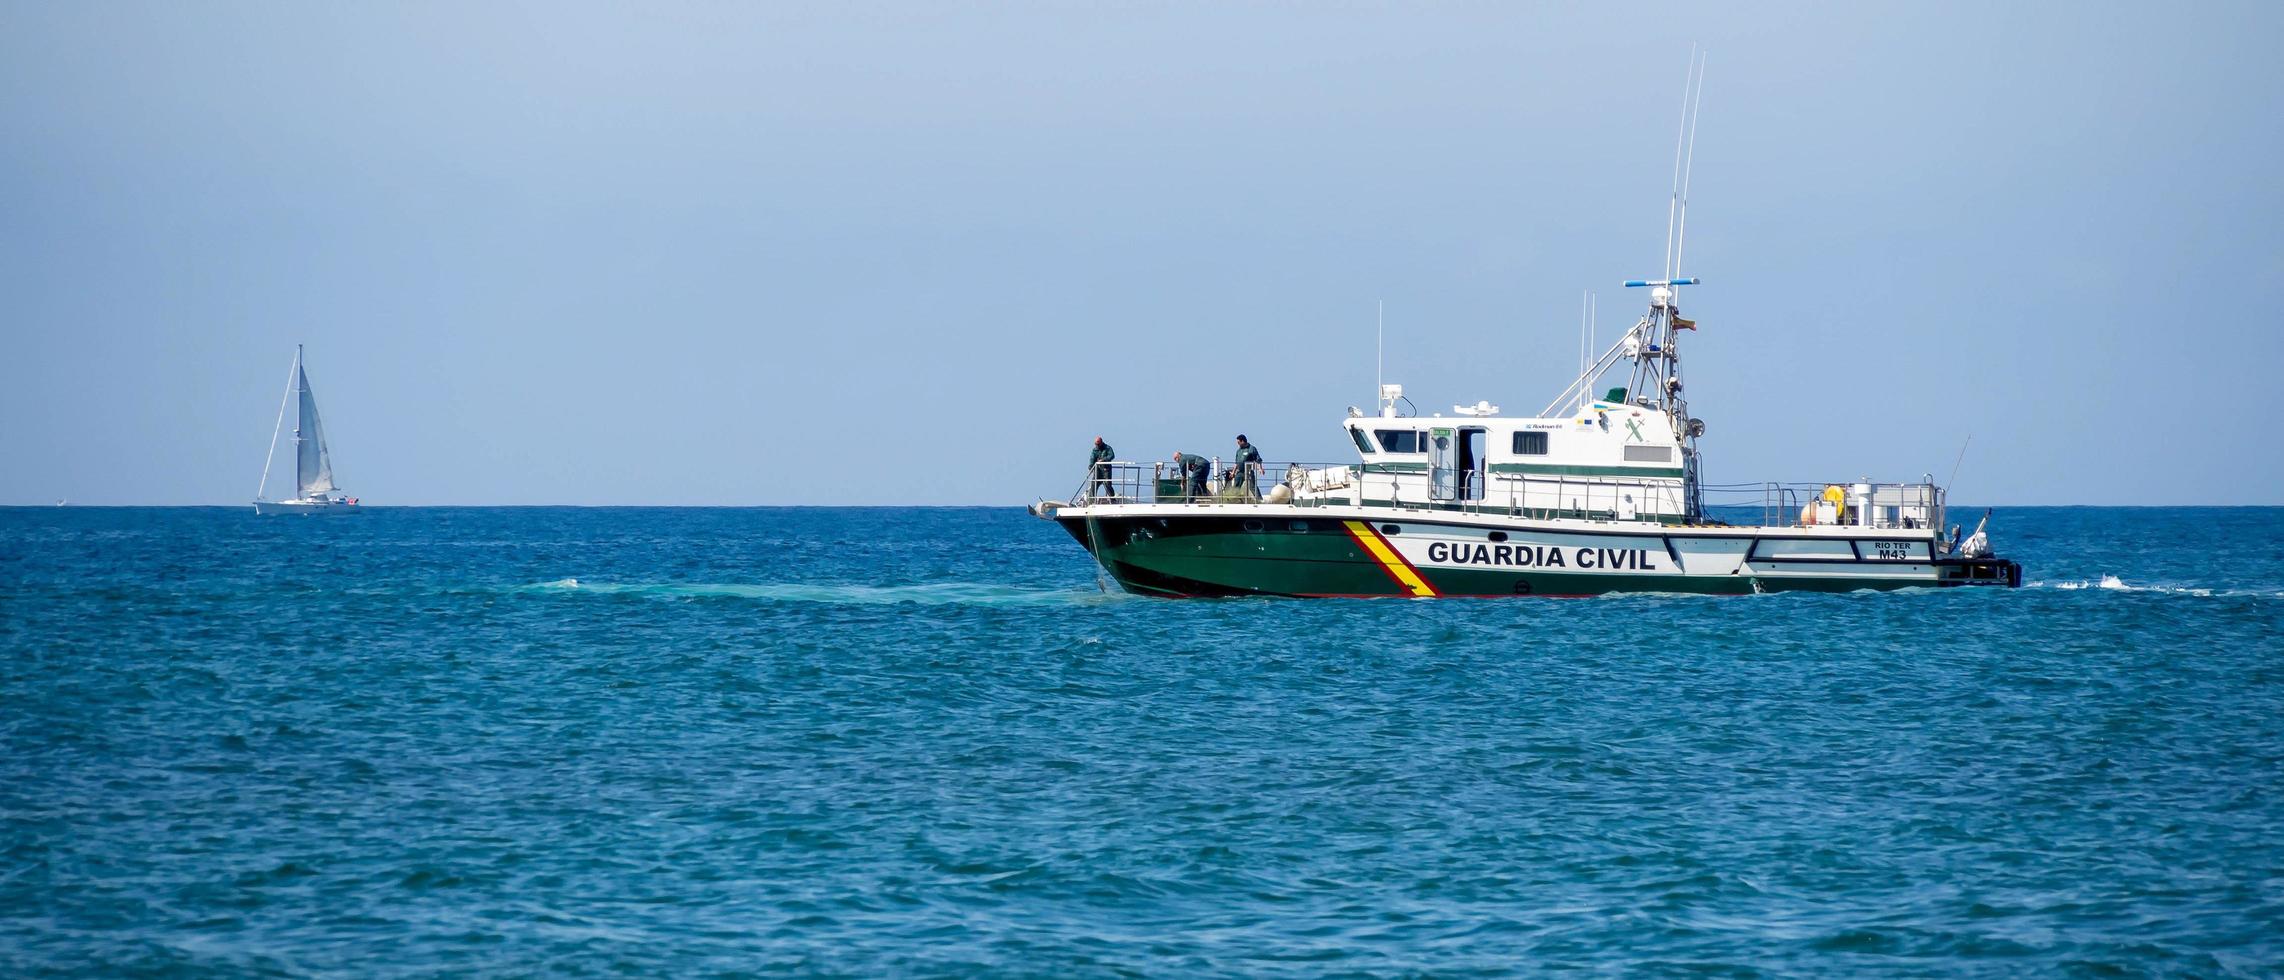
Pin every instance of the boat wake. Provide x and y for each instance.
(2114, 584)
(929, 594)
(2105, 582)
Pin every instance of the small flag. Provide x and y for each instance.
(1681, 324)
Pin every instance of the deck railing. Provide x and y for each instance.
(1160, 483)
(1656, 501)
(1904, 506)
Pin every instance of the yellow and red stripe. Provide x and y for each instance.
(1390, 560)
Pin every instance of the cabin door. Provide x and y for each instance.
(1443, 469)
(1471, 454)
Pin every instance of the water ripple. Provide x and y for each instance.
(895, 742)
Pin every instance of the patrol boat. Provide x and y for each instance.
(314, 492)
(1599, 492)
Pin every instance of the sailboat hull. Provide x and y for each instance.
(306, 508)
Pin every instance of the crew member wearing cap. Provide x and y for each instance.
(1247, 468)
(1192, 470)
(1098, 466)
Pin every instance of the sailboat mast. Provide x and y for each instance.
(301, 392)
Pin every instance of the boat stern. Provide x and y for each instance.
(2004, 573)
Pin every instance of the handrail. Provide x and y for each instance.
(1885, 506)
(1157, 482)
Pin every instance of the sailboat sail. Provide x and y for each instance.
(313, 465)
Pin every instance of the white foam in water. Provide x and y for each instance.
(2114, 583)
(2106, 582)
(932, 594)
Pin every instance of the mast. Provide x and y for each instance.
(301, 460)
(1656, 379)
(1654, 342)
(313, 466)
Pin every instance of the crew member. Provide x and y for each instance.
(1247, 468)
(1098, 467)
(1192, 469)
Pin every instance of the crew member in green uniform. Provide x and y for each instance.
(1192, 469)
(1097, 465)
(1247, 468)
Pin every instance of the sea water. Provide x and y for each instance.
(897, 741)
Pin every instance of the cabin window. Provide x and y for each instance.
(1363, 445)
(1497, 536)
(1530, 443)
(1390, 529)
(1649, 454)
(1402, 442)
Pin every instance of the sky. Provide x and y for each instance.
(853, 253)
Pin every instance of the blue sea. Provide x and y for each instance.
(924, 741)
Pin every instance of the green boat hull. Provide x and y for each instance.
(1207, 555)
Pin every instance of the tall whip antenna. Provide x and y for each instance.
(1380, 355)
(1673, 204)
(1681, 231)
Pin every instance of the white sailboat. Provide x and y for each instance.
(314, 490)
